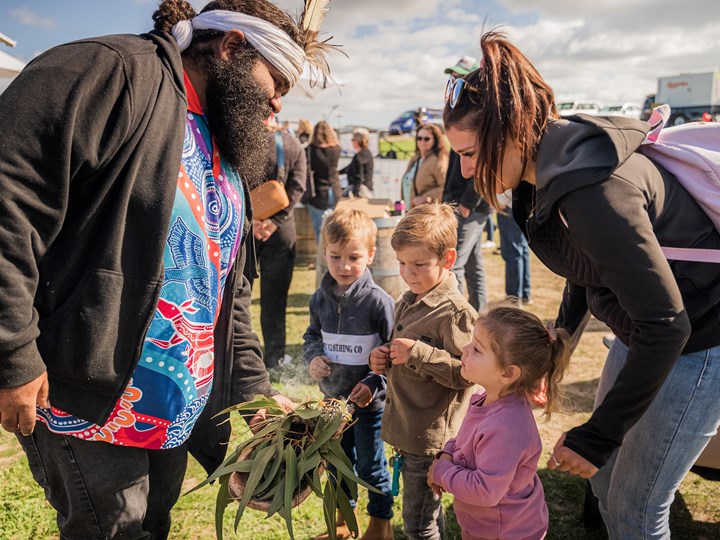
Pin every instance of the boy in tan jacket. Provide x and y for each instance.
(426, 396)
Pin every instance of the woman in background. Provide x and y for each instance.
(323, 179)
(360, 170)
(424, 178)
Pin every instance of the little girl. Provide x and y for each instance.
(491, 466)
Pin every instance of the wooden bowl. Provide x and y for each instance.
(238, 481)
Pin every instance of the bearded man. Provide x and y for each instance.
(125, 167)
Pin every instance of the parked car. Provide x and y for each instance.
(407, 121)
(567, 108)
(621, 109)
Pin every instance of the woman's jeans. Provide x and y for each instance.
(469, 263)
(636, 487)
(366, 450)
(516, 254)
(317, 215)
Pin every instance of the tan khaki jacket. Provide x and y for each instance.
(427, 398)
(430, 178)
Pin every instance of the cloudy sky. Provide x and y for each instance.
(609, 50)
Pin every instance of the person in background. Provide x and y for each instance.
(304, 132)
(426, 395)
(515, 252)
(597, 211)
(489, 242)
(360, 169)
(349, 316)
(323, 180)
(125, 252)
(491, 470)
(474, 211)
(424, 178)
(275, 244)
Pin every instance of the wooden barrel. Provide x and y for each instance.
(305, 244)
(711, 455)
(384, 269)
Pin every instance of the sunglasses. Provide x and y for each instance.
(424, 139)
(454, 89)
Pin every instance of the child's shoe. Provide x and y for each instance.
(378, 529)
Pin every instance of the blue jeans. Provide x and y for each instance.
(366, 450)
(469, 264)
(317, 215)
(516, 254)
(636, 487)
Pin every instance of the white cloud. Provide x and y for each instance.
(610, 51)
(29, 18)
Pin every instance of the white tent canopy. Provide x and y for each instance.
(9, 65)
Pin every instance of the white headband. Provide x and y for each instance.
(269, 40)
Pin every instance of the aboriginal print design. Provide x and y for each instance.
(172, 381)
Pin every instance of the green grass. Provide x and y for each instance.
(403, 145)
(695, 514)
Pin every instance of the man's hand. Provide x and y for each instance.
(464, 212)
(379, 357)
(320, 367)
(400, 350)
(566, 460)
(17, 405)
(286, 403)
(361, 395)
(264, 229)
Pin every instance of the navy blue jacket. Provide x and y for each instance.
(352, 324)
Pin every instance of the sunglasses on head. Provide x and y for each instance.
(454, 89)
(424, 139)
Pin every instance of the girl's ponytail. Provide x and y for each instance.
(560, 348)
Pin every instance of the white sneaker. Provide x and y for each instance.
(489, 244)
(285, 360)
(608, 340)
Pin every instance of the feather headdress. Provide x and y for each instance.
(316, 51)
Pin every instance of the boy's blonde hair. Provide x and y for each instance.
(431, 226)
(345, 224)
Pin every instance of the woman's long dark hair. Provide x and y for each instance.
(511, 101)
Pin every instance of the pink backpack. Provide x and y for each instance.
(691, 152)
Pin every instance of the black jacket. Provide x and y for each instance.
(323, 167)
(460, 190)
(92, 141)
(360, 171)
(619, 208)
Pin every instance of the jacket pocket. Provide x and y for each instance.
(94, 337)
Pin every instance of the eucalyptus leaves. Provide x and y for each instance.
(281, 464)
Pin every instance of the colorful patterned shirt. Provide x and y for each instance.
(172, 381)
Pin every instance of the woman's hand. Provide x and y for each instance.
(400, 350)
(566, 460)
(320, 367)
(418, 200)
(379, 358)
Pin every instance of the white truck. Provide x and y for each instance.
(691, 96)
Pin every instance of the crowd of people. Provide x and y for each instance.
(129, 246)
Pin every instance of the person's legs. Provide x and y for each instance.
(469, 243)
(637, 486)
(525, 267)
(101, 490)
(422, 509)
(511, 251)
(316, 217)
(277, 257)
(371, 465)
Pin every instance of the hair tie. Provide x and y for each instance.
(552, 334)
(183, 33)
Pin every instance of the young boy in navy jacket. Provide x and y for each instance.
(349, 316)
